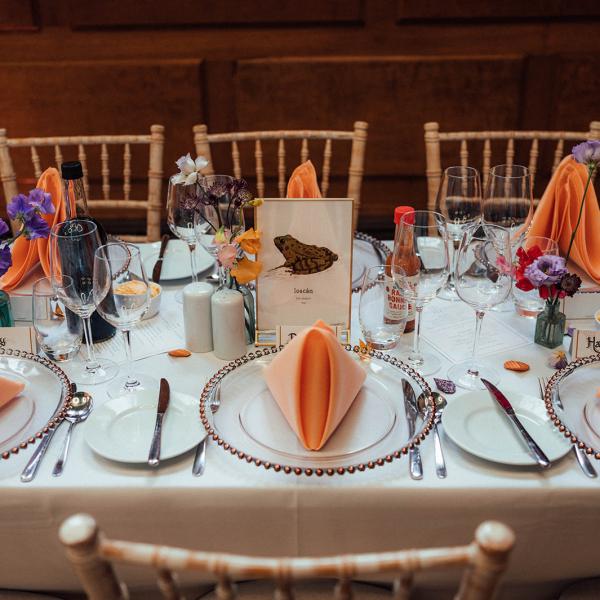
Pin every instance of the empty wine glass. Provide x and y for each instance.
(483, 279)
(459, 201)
(122, 295)
(530, 304)
(72, 247)
(422, 252)
(382, 312)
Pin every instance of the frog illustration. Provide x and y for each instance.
(303, 259)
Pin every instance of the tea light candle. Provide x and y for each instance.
(228, 325)
(197, 317)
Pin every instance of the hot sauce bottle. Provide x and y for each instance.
(403, 256)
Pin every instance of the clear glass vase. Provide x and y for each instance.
(550, 326)
(227, 280)
(6, 318)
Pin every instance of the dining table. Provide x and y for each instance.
(236, 506)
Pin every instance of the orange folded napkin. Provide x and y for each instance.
(556, 216)
(27, 253)
(303, 182)
(314, 381)
(9, 390)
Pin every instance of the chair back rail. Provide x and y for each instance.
(151, 204)
(357, 137)
(92, 556)
(434, 138)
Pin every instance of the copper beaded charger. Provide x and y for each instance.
(249, 424)
(40, 407)
(576, 389)
(367, 252)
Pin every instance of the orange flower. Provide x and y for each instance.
(249, 241)
(246, 270)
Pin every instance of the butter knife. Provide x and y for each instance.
(156, 271)
(200, 456)
(535, 451)
(410, 408)
(163, 404)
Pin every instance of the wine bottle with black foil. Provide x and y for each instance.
(77, 208)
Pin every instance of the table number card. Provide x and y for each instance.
(18, 338)
(307, 266)
(585, 342)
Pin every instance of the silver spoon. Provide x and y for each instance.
(81, 407)
(440, 404)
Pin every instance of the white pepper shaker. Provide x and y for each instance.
(197, 319)
(228, 324)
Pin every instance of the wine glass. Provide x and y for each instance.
(420, 269)
(530, 304)
(72, 247)
(483, 279)
(382, 311)
(459, 201)
(122, 295)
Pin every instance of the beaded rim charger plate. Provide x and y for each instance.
(42, 404)
(249, 424)
(367, 252)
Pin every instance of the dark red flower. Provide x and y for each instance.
(523, 283)
(569, 284)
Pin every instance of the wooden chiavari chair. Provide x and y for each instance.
(152, 204)
(358, 138)
(92, 554)
(434, 139)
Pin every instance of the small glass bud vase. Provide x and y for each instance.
(6, 318)
(550, 326)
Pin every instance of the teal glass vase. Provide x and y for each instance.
(6, 318)
(550, 326)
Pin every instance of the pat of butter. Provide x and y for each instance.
(137, 287)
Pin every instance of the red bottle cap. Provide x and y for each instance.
(400, 211)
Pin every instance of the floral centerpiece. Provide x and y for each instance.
(548, 273)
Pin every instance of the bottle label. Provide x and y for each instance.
(396, 307)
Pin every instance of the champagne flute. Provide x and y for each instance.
(73, 244)
(122, 295)
(459, 201)
(483, 279)
(422, 255)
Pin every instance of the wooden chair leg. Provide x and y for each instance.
(81, 538)
(203, 147)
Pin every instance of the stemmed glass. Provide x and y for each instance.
(459, 201)
(72, 247)
(421, 267)
(122, 295)
(483, 279)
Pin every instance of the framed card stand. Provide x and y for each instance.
(306, 275)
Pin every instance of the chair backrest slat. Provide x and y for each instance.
(533, 156)
(464, 153)
(558, 154)
(35, 159)
(81, 156)
(235, 157)
(510, 151)
(58, 156)
(326, 168)
(260, 171)
(168, 585)
(403, 586)
(126, 172)
(105, 172)
(304, 151)
(487, 159)
(281, 168)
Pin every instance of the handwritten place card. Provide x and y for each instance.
(585, 342)
(18, 338)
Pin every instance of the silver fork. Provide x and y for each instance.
(582, 458)
(200, 457)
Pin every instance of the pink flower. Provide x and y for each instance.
(226, 255)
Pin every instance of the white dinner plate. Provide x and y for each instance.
(176, 264)
(478, 425)
(122, 429)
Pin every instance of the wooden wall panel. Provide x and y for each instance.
(157, 13)
(17, 15)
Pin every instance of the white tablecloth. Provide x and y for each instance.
(242, 508)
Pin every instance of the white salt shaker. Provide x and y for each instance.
(228, 324)
(197, 319)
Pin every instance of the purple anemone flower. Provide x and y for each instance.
(5, 259)
(3, 227)
(36, 227)
(41, 201)
(546, 270)
(587, 152)
(19, 208)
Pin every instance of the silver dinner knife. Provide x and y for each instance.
(410, 408)
(163, 404)
(536, 452)
(200, 456)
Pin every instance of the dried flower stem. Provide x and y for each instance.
(591, 169)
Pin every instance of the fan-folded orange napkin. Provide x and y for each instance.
(9, 390)
(27, 253)
(556, 216)
(303, 182)
(314, 381)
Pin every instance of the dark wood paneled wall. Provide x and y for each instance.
(117, 66)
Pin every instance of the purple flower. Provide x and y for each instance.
(587, 152)
(41, 201)
(546, 270)
(36, 227)
(5, 259)
(19, 208)
(3, 227)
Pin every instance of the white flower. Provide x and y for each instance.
(189, 170)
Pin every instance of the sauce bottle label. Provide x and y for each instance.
(395, 309)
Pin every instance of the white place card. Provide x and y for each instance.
(18, 338)
(585, 342)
